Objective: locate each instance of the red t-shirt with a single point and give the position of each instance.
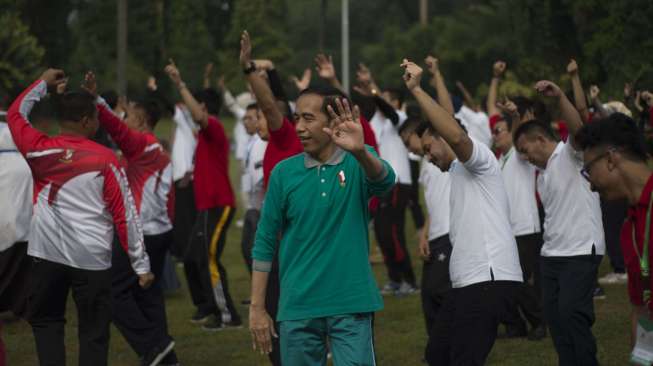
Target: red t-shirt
(211, 174)
(282, 144)
(637, 217)
(368, 134)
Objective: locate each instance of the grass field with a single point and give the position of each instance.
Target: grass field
(400, 334)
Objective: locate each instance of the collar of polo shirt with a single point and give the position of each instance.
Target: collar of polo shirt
(335, 159)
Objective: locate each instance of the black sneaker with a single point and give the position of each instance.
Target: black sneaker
(156, 354)
(215, 324)
(200, 317)
(599, 294)
(538, 333)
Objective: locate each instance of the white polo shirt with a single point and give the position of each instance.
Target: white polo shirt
(391, 148)
(483, 244)
(15, 192)
(572, 224)
(253, 172)
(183, 147)
(477, 124)
(519, 180)
(437, 190)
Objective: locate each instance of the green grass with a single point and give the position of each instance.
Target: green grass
(400, 334)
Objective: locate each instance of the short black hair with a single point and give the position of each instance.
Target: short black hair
(75, 105)
(423, 127)
(507, 119)
(535, 126)
(428, 126)
(396, 93)
(524, 104)
(616, 130)
(211, 99)
(365, 104)
(410, 125)
(330, 95)
(252, 106)
(152, 109)
(111, 97)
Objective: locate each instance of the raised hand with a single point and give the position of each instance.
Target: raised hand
(324, 66)
(304, 82)
(90, 83)
(173, 72)
(61, 87)
(498, 69)
(412, 74)
(647, 96)
(151, 83)
(364, 75)
(628, 90)
(265, 65)
(548, 88)
(245, 50)
(346, 130)
(219, 82)
(53, 78)
(208, 69)
(594, 92)
(433, 64)
(509, 108)
(572, 67)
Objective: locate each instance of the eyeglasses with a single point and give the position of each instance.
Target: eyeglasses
(498, 130)
(585, 172)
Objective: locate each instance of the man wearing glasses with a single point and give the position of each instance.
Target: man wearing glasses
(573, 232)
(616, 164)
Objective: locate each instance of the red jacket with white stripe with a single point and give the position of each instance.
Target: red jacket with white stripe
(149, 171)
(80, 194)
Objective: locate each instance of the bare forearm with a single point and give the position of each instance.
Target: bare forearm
(598, 107)
(570, 115)
(468, 98)
(334, 82)
(266, 101)
(492, 97)
(371, 164)
(579, 97)
(445, 125)
(444, 99)
(259, 288)
(193, 105)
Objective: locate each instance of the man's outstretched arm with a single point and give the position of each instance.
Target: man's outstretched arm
(264, 96)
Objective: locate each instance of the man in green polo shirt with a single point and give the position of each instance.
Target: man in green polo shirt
(318, 202)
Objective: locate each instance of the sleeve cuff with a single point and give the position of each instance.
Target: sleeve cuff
(261, 266)
(381, 176)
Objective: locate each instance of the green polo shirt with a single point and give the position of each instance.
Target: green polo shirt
(322, 211)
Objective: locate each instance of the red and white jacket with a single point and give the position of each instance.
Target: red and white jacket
(149, 171)
(80, 194)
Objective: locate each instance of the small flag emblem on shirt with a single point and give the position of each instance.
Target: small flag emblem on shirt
(341, 178)
(67, 157)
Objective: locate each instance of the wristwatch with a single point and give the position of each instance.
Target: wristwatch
(250, 69)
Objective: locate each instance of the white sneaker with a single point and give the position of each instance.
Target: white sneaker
(613, 278)
(390, 288)
(407, 289)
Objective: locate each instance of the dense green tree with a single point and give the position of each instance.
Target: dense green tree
(21, 55)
